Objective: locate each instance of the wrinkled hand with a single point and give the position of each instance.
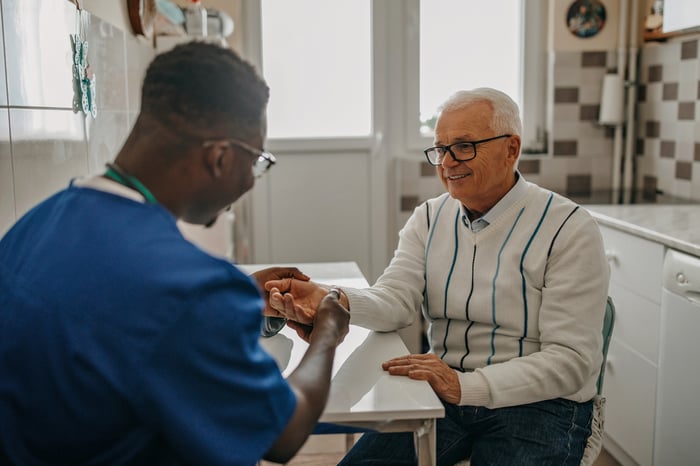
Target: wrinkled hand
(441, 377)
(275, 273)
(297, 300)
(330, 316)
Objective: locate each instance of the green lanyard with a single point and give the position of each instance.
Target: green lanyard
(117, 174)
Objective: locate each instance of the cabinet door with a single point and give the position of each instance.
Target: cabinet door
(637, 321)
(630, 389)
(635, 263)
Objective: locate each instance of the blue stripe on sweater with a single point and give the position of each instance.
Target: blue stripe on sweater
(447, 285)
(522, 273)
(493, 287)
(427, 250)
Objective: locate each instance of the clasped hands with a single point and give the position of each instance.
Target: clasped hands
(327, 313)
(298, 299)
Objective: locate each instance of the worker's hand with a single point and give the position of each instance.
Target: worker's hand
(296, 300)
(275, 273)
(330, 318)
(441, 377)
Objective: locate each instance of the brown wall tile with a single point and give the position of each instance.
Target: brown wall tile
(686, 110)
(529, 166)
(656, 73)
(684, 170)
(670, 91)
(426, 169)
(578, 185)
(589, 112)
(697, 152)
(649, 184)
(642, 93)
(653, 129)
(565, 95)
(667, 149)
(408, 203)
(565, 148)
(689, 50)
(594, 59)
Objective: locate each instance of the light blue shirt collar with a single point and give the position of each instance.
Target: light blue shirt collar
(515, 193)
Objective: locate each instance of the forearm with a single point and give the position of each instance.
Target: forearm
(310, 381)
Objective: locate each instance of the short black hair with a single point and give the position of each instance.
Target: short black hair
(197, 85)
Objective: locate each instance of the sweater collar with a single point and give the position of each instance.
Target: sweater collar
(516, 192)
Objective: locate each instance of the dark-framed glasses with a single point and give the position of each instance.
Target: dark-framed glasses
(264, 159)
(460, 151)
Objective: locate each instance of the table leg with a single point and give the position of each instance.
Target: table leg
(424, 439)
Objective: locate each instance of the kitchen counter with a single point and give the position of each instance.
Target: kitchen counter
(675, 226)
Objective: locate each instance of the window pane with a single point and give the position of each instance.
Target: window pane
(466, 44)
(317, 61)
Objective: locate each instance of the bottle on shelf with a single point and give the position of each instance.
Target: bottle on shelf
(196, 19)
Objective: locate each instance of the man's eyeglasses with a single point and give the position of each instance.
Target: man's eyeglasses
(460, 151)
(264, 159)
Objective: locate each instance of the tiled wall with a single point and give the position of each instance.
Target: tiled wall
(668, 144)
(43, 143)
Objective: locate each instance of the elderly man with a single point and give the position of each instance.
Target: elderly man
(123, 343)
(513, 281)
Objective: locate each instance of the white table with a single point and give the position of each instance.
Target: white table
(362, 394)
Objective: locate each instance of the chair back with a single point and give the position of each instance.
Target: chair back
(608, 324)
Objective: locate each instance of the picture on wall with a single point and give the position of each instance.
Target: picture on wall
(586, 18)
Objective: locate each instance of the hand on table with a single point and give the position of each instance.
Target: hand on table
(441, 377)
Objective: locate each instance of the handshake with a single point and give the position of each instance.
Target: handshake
(302, 305)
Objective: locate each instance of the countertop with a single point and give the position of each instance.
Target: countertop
(675, 226)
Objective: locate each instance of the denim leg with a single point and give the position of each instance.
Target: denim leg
(552, 432)
(390, 449)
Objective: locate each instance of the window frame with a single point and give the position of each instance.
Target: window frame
(395, 87)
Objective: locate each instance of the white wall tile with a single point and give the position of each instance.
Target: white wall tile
(49, 149)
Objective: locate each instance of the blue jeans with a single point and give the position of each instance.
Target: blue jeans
(552, 432)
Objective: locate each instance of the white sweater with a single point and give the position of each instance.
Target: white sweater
(516, 308)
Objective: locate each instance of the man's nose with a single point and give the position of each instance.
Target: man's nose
(449, 160)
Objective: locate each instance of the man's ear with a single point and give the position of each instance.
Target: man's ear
(514, 148)
(213, 158)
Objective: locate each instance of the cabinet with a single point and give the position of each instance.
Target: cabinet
(632, 363)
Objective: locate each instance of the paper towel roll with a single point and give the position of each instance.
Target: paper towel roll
(612, 100)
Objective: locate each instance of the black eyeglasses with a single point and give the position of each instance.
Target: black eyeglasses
(264, 159)
(460, 151)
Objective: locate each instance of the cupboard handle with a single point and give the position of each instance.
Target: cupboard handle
(611, 256)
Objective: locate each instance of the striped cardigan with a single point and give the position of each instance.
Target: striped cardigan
(515, 308)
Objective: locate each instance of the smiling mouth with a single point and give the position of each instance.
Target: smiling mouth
(458, 176)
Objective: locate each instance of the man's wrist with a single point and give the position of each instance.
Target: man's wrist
(341, 296)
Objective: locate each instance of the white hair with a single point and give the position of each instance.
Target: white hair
(506, 114)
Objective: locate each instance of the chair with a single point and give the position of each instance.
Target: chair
(595, 440)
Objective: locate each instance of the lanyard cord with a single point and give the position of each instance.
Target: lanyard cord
(117, 174)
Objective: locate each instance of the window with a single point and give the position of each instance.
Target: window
(468, 44)
(316, 57)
